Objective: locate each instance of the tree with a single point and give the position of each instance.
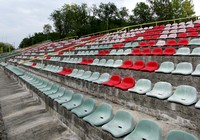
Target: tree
(142, 13)
(47, 28)
(188, 7)
(6, 47)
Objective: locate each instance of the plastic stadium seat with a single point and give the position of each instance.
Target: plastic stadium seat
(142, 86)
(151, 43)
(86, 108)
(127, 52)
(126, 64)
(109, 63)
(117, 46)
(66, 97)
(197, 25)
(126, 83)
(157, 51)
(180, 135)
(114, 80)
(184, 94)
(102, 62)
(196, 71)
(142, 44)
(182, 35)
(169, 51)
(172, 36)
(136, 51)
(93, 77)
(134, 44)
(166, 67)
(66, 71)
(79, 74)
(119, 126)
(195, 41)
(117, 63)
(101, 115)
(146, 51)
(184, 68)
(171, 43)
(102, 78)
(138, 65)
(77, 100)
(113, 52)
(191, 30)
(58, 94)
(183, 42)
(160, 43)
(196, 51)
(51, 90)
(193, 34)
(161, 90)
(197, 105)
(86, 75)
(155, 37)
(163, 36)
(147, 38)
(151, 66)
(74, 72)
(183, 51)
(95, 62)
(120, 52)
(84, 61)
(146, 130)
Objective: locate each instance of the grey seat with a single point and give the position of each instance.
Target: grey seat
(102, 62)
(127, 52)
(197, 105)
(142, 86)
(117, 63)
(145, 130)
(113, 52)
(120, 52)
(196, 71)
(134, 44)
(77, 100)
(180, 135)
(94, 76)
(184, 68)
(166, 67)
(59, 93)
(86, 75)
(79, 74)
(95, 62)
(102, 114)
(127, 45)
(184, 94)
(74, 72)
(103, 78)
(161, 90)
(86, 108)
(195, 41)
(196, 51)
(183, 51)
(109, 63)
(67, 96)
(119, 126)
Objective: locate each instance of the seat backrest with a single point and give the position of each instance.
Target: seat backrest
(152, 64)
(170, 50)
(143, 83)
(139, 63)
(180, 135)
(167, 65)
(186, 91)
(128, 81)
(118, 62)
(184, 66)
(104, 108)
(183, 50)
(116, 78)
(121, 114)
(128, 62)
(196, 51)
(162, 87)
(77, 97)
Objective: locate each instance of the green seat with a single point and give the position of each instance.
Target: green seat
(135, 44)
(127, 45)
(46, 88)
(120, 125)
(58, 93)
(95, 62)
(77, 100)
(161, 90)
(41, 85)
(119, 52)
(184, 68)
(93, 77)
(54, 88)
(102, 62)
(74, 72)
(146, 130)
(101, 115)
(197, 105)
(140, 38)
(180, 135)
(195, 41)
(109, 63)
(67, 96)
(117, 63)
(166, 67)
(86, 108)
(113, 52)
(142, 86)
(103, 78)
(184, 94)
(127, 52)
(86, 75)
(79, 74)
(196, 72)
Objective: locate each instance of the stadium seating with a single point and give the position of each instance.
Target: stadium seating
(142, 86)
(196, 72)
(102, 78)
(183, 68)
(195, 51)
(77, 100)
(197, 105)
(166, 67)
(151, 66)
(138, 65)
(126, 64)
(180, 135)
(126, 83)
(114, 80)
(67, 96)
(169, 51)
(183, 51)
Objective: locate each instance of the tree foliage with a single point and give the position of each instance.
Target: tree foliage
(6, 47)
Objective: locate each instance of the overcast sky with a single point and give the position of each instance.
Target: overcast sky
(20, 18)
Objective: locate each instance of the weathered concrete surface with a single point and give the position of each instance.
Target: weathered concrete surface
(24, 117)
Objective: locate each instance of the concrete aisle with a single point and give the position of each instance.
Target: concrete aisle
(25, 118)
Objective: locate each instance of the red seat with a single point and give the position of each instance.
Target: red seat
(34, 64)
(146, 51)
(183, 42)
(84, 61)
(89, 61)
(154, 37)
(101, 53)
(157, 51)
(107, 52)
(65, 71)
(191, 30)
(126, 64)
(60, 53)
(120, 45)
(136, 51)
(138, 65)
(197, 25)
(48, 57)
(142, 44)
(130, 39)
(114, 80)
(193, 34)
(169, 51)
(198, 29)
(147, 38)
(151, 43)
(171, 43)
(151, 66)
(182, 35)
(127, 82)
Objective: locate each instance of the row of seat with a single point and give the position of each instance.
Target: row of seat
(102, 115)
